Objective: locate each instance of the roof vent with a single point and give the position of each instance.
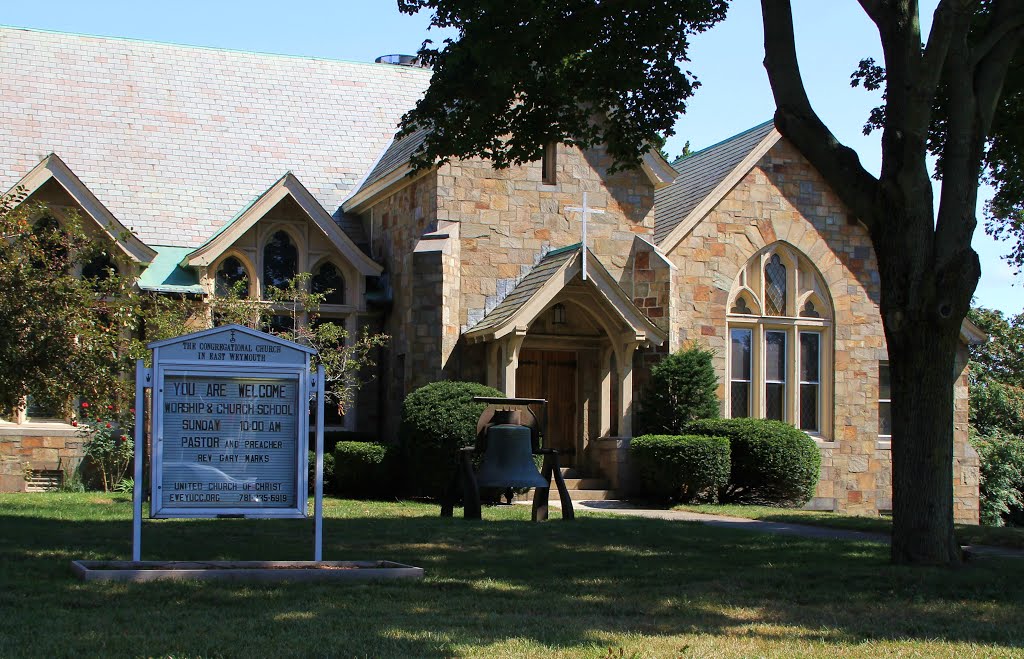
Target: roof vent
(401, 60)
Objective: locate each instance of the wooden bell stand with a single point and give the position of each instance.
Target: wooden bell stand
(550, 468)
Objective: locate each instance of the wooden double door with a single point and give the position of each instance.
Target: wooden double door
(552, 375)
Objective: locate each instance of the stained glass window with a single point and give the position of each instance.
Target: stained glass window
(775, 376)
(810, 380)
(775, 286)
(230, 274)
(329, 281)
(740, 373)
(280, 261)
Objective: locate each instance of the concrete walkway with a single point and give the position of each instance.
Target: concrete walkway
(801, 530)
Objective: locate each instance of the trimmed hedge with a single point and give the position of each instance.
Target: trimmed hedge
(772, 462)
(328, 473)
(437, 420)
(364, 469)
(683, 467)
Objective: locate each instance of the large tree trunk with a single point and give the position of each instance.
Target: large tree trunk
(921, 362)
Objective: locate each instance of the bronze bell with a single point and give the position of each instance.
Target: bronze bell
(508, 460)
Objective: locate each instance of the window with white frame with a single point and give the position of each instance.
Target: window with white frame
(780, 337)
(884, 403)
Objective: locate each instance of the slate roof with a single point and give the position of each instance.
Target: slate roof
(699, 174)
(525, 289)
(397, 154)
(176, 140)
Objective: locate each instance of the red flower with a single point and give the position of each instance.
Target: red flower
(74, 423)
(108, 425)
(132, 410)
(85, 405)
(110, 407)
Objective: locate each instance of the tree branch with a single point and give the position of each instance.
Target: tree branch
(796, 119)
(874, 10)
(990, 68)
(1002, 24)
(935, 52)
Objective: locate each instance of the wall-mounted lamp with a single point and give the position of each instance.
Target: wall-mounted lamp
(558, 314)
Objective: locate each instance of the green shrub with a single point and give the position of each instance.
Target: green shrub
(772, 462)
(328, 473)
(437, 420)
(683, 467)
(1002, 478)
(364, 469)
(681, 389)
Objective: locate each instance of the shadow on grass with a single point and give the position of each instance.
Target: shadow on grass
(565, 585)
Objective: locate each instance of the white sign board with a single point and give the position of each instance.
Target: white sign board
(230, 425)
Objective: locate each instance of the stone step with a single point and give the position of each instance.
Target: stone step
(576, 495)
(584, 483)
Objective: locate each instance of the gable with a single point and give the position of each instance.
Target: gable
(287, 190)
(52, 181)
(547, 280)
(704, 178)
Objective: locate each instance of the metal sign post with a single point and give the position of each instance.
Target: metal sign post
(230, 428)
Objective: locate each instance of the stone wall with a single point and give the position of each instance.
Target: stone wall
(37, 447)
(396, 224)
(966, 461)
(510, 218)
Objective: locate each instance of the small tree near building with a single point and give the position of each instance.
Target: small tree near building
(682, 388)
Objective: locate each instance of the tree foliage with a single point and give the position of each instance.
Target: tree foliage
(1001, 358)
(682, 388)
(997, 415)
(72, 322)
(584, 72)
(347, 360)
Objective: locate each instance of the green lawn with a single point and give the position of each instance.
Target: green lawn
(503, 587)
(966, 534)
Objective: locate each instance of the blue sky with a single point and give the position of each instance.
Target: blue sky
(831, 38)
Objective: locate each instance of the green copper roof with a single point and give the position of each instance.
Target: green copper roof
(164, 275)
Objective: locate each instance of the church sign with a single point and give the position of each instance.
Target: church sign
(230, 425)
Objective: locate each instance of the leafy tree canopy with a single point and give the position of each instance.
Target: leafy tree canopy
(72, 321)
(1001, 358)
(582, 72)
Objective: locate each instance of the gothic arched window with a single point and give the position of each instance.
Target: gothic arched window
(280, 261)
(329, 281)
(780, 330)
(99, 267)
(232, 276)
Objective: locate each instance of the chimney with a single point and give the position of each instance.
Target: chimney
(401, 60)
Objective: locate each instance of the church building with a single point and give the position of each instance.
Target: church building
(555, 279)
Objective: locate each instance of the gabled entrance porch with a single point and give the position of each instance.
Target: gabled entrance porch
(571, 341)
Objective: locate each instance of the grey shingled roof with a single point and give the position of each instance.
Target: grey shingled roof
(531, 283)
(176, 140)
(397, 154)
(699, 174)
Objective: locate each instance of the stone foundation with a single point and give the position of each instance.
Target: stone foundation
(37, 447)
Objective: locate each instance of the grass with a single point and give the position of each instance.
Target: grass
(966, 534)
(502, 587)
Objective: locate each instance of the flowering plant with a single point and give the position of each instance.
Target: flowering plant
(108, 442)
